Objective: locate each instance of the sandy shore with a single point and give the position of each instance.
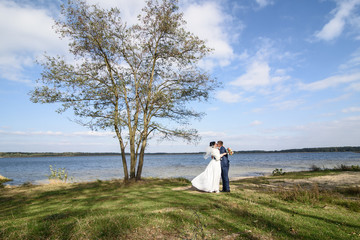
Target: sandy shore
(331, 181)
(2, 178)
(344, 179)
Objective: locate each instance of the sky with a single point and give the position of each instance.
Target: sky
(289, 73)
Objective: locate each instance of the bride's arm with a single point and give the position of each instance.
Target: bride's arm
(216, 154)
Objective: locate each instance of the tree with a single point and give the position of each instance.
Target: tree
(135, 80)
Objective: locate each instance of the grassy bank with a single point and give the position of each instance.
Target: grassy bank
(3, 180)
(169, 209)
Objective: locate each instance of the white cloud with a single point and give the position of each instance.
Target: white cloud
(129, 9)
(351, 110)
(230, 97)
(255, 123)
(354, 87)
(26, 33)
(212, 134)
(338, 98)
(207, 21)
(93, 134)
(257, 110)
(257, 74)
(288, 105)
(213, 109)
(342, 15)
(264, 3)
(332, 81)
(58, 133)
(260, 74)
(353, 62)
(342, 132)
(26, 29)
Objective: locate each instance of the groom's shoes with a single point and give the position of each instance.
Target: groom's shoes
(225, 191)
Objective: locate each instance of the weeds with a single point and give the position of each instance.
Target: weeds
(351, 191)
(313, 195)
(59, 174)
(300, 194)
(198, 229)
(341, 167)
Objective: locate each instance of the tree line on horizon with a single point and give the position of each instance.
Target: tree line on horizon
(74, 154)
(319, 149)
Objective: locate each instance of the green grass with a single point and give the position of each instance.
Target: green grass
(167, 209)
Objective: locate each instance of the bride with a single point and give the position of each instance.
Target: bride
(209, 180)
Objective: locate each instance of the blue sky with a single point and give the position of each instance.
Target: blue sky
(290, 73)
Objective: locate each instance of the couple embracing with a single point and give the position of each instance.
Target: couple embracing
(208, 180)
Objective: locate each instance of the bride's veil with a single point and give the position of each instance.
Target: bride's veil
(208, 152)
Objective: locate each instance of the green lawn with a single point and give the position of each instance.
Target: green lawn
(168, 209)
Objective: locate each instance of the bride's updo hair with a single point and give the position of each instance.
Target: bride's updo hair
(212, 144)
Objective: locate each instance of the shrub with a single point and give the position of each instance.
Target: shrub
(278, 172)
(315, 168)
(27, 184)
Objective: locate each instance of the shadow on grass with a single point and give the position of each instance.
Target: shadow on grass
(114, 210)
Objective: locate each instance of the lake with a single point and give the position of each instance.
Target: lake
(91, 168)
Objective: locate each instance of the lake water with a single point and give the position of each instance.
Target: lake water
(91, 168)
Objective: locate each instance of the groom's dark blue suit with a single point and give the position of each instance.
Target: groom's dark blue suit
(225, 170)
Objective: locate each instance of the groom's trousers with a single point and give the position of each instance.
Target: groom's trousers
(225, 170)
(225, 175)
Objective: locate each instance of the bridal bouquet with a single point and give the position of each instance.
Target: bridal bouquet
(229, 151)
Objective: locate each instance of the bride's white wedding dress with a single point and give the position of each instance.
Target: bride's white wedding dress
(209, 180)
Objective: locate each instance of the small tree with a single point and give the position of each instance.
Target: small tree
(135, 80)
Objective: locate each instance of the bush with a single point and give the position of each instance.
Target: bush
(27, 184)
(278, 172)
(315, 168)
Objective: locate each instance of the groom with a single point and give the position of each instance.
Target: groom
(224, 167)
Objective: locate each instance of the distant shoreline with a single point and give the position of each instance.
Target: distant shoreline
(75, 154)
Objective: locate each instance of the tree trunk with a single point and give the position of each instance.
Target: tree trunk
(132, 156)
(122, 150)
(141, 160)
(141, 156)
(123, 157)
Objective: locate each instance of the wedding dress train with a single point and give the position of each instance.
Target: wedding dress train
(209, 180)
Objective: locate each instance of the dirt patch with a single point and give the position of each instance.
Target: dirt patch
(345, 179)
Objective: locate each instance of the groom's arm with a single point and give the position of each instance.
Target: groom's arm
(222, 150)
